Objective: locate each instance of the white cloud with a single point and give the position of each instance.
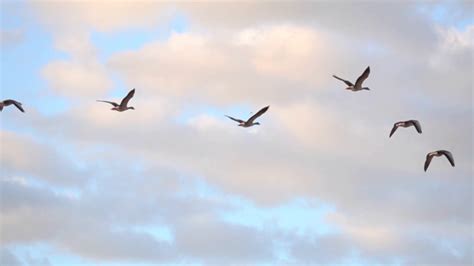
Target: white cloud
(230, 68)
(81, 76)
(24, 155)
(77, 79)
(109, 15)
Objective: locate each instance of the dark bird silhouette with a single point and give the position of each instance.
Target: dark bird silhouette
(358, 84)
(250, 121)
(10, 102)
(123, 105)
(408, 123)
(439, 153)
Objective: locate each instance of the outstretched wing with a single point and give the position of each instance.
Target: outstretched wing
(259, 113)
(348, 83)
(448, 155)
(428, 160)
(17, 104)
(362, 77)
(417, 125)
(395, 126)
(112, 103)
(127, 98)
(235, 119)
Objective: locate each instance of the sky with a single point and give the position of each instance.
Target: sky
(174, 181)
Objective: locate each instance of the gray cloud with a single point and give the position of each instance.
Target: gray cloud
(97, 224)
(26, 156)
(9, 38)
(8, 258)
(201, 236)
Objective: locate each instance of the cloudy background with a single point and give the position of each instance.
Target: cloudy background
(176, 182)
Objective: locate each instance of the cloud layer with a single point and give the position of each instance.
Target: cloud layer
(152, 185)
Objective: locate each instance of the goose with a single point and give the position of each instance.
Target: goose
(439, 153)
(123, 105)
(10, 102)
(358, 83)
(407, 123)
(250, 122)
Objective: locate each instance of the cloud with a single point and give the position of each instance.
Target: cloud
(274, 62)
(76, 79)
(29, 157)
(96, 225)
(324, 250)
(105, 16)
(294, 154)
(10, 38)
(204, 237)
(317, 142)
(81, 76)
(8, 258)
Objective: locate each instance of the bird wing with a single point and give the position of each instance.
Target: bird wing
(235, 119)
(259, 113)
(362, 77)
(127, 98)
(112, 103)
(417, 125)
(395, 126)
(428, 160)
(17, 104)
(448, 155)
(348, 83)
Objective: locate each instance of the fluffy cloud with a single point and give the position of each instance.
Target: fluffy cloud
(256, 64)
(67, 78)
(25, 156)
(104, 16)
(82, 75)
(106, 233)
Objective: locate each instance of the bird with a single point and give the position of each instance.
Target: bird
(250, 122)
(10, 102)
(407, 123)
(439, 153)
(358, 84)
(123, 104)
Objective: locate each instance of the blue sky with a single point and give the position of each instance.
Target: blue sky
(176, 182)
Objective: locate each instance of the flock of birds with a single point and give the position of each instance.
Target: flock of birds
(357, 86)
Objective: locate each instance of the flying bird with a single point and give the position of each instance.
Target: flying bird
(250, 122)
(408, 123)
(10, 102)
(439, 153)
(358, 84)
(123, 105)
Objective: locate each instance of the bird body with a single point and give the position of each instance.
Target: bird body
(250, 122)
(408, 123)
(123, 104)
(358, 84)
(10, 102)
(439, 153)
